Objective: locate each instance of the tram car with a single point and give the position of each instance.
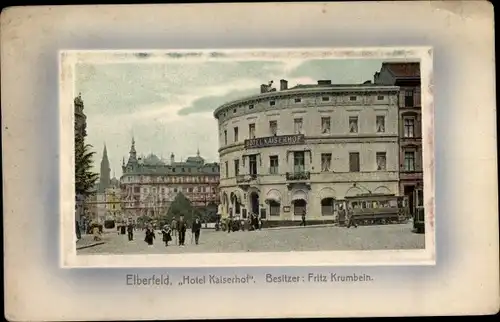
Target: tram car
(418, 211)
(378, 209)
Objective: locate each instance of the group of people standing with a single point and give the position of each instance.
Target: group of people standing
(177, 229)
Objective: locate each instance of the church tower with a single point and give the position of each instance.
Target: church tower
(105, 179)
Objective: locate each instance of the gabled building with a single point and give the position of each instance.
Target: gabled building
(149, 184)
(407, 77)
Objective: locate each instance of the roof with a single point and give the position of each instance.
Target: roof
(403, 69)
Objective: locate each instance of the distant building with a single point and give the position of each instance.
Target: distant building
(108, 196)
(407, 77)
(304, 149)
(150, 184)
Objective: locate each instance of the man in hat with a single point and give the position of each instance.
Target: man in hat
(181, 228)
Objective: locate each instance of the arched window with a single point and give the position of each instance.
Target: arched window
(327, 207)
(274, 208)
(299, 207)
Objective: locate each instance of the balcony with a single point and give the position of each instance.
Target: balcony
(298, 176)
(244, 180)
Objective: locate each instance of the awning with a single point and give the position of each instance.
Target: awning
(326, 193)
(273, 195)
(299, 195)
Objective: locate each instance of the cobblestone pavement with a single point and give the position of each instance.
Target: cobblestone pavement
(303, 239)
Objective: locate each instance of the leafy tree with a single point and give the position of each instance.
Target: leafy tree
(181, 206)
(85, 178)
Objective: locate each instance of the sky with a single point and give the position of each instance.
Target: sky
(168, 106)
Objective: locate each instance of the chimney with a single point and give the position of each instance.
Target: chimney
(283, 85)
(324, 82)
(263, 88)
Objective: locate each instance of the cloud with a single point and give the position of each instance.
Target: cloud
(210, 103)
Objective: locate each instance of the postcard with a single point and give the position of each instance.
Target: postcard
(248, 157)
(217, 161)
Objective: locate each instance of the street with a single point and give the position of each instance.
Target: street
(385, 237)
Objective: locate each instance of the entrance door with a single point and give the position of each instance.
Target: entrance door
(408, 191)
(254, 203)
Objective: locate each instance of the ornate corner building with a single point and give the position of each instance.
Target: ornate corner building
(149, 184)
(301, 150)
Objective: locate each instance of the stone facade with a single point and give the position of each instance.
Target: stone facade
(347, 144)
(150, 184)
(407, 77)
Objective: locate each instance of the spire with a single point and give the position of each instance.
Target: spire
(133, 153)
(104, 180)
(198, 152)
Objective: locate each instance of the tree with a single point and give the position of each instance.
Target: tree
(182, 206)
(85, 178)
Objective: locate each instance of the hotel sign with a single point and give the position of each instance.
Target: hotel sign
(275, 141)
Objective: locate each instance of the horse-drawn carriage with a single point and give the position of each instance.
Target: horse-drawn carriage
(378, 209)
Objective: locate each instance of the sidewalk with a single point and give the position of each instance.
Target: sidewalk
(297, 227)
(88, 241)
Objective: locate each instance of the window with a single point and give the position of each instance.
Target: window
(225, 137)
(380, 123)
(227, 169)
(234, 111)
(298, 161)
(298, 100)
(381, 161)
(251, 131)
(236, 167)
(190, 190)
(273, 164)
(299, 207)
(326, 161)
(380, 97)
(250, 106)
(327, 207)
(409, 98)
(352, 98)
(137, 189)
(272, 103)
(325, 98)
(409, 128)
(175, 189)
(236, 134)
(297, 126)
(273, 127)
(353, 124)
(252, 164)
(325, 125)
(274, 208)
(354, 162)
(409, 161)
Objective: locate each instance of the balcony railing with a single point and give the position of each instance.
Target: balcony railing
(297, 176)
(245, 178)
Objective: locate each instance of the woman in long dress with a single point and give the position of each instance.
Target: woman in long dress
(167, 234)
(150, 235)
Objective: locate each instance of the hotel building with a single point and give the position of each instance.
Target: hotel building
(304, 149)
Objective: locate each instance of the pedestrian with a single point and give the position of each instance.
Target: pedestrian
(351, 220)
(150, 235)
(78, 232)
(303, 223)
(196, 230)
(181, 229)
(167, 234)
(130, 231)
(229, 224)
(173, 226)
(96, 232)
